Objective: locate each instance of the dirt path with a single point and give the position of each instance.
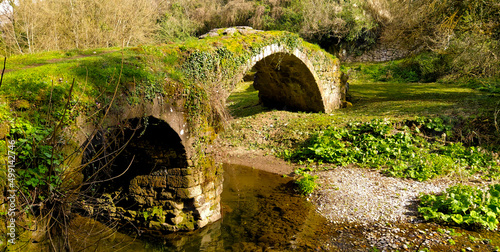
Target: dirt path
(255, 159)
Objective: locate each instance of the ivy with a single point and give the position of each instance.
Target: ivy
(39, 161)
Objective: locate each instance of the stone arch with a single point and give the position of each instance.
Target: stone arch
(162, 181)
(286, 80)
(134, 147)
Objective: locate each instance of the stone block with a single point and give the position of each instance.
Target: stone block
(199, 200)
(183, 181)
(215, 216)
(187, 193)
(202, 223)
(155, 225)
(150, 201)
(210, 194)
(141, 200)
(136, 189)
(173, 205)
(140, 181)
(205, 211)
(182, 171)
(157, 181)
(176, 220)
(218, 190)
(210, 186)
(166, 194)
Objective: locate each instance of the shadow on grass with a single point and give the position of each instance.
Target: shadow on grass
(418, 99)
(244, 101)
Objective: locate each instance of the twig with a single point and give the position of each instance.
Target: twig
(3, 71)
(497, 111)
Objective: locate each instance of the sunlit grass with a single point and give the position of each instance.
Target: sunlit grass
(244, 100)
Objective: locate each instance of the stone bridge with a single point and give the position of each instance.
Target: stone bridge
(150, 138)
(171, 182)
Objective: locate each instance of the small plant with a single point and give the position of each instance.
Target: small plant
(463, 205)
(307, 184)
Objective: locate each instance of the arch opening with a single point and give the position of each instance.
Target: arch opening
(285, 82)
(149, 180)
(281, 81)
(139, 146)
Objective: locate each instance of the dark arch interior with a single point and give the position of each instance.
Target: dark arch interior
(146, 146)
(285, 82)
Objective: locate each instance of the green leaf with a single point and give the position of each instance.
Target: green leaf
(457, 218)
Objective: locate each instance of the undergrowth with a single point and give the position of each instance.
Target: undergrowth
(463, 205)
(399, 149)
(426, 67)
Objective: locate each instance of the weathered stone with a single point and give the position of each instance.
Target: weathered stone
(202, 223)
(183, 171)
(199, 200)
(216, 214)
(140, 181)
(183, 181)
(218, 190)
(155, 225)
(210, 194)
(246, 32)
(141, 200)
(172, 205)
(176, 220)
(205, 211)
(158, 181)
(150, 201)
(186, 193)
(166, 194)
(210, 186)
(230, 31)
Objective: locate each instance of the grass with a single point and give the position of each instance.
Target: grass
(391, 100)
(244, 101)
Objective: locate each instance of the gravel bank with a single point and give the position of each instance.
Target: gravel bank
(363, 196)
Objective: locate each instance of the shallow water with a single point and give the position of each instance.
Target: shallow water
(260, 212)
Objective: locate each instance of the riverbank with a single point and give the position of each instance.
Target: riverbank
(369, 211)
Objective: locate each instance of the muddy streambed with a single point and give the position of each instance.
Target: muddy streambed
(262, 212)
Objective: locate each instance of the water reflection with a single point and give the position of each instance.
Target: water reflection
(260, 212)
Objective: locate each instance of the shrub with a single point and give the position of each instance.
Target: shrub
(307, 183)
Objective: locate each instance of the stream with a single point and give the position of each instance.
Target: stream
(260, 212)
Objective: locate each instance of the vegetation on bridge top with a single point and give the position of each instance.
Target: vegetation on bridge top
(194, 70)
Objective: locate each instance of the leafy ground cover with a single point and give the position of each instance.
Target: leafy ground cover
(470, 113)
(399, 151)
(462, 204)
